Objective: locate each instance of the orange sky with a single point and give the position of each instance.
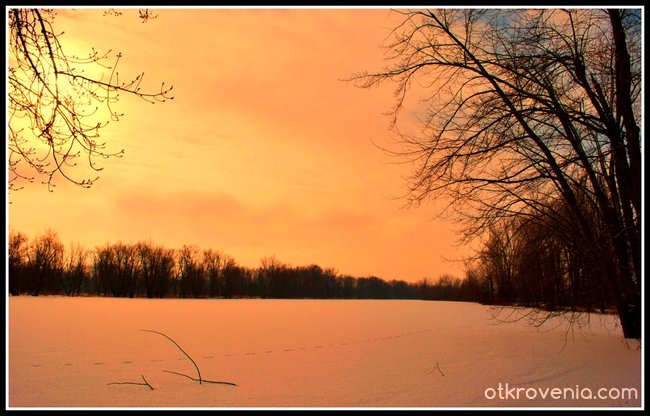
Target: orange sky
(264, 151)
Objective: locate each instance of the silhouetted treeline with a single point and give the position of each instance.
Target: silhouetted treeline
(524, 262)
(43, 266)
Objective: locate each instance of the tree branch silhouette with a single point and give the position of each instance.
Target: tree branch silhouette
(146, 383)
(534, 115)
(54, 102)
(198, 372)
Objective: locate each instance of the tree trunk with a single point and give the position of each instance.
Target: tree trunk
(629, 314)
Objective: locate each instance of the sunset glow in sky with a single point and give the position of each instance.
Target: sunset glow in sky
(263, 151)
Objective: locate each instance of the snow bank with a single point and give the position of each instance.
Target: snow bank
(64, 352)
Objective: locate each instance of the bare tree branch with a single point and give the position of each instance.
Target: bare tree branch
(529, 115)
(55, 99)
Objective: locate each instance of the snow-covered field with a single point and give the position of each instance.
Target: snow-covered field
(64, 352)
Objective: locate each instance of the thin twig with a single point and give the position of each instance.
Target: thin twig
(200, 380)
(145, 380)
(146, 383)
(194, 379)
(438, 368)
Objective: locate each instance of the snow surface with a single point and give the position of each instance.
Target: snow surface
(64, 352)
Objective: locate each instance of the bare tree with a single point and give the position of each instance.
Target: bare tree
(45, 263)
(271, 275)
(156, 266)
(116, 269)
(213, 263)
(75, 272)
(234, 278)
(54, 100)
(191, 272)
(525, 109)
(128, 269)
(17, 253)
(103, 269)
(498, 256)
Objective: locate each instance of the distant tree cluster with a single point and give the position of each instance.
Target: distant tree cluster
(43, 266)
(534, 261)
(448, 287)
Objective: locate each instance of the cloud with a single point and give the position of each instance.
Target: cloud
(354, 240)
(214, 219)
